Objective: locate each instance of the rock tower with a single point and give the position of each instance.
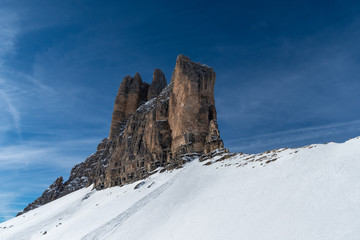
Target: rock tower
(153, 126)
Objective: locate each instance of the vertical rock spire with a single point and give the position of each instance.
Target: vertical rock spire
(157, 85)
(131, 94)
(192, 114)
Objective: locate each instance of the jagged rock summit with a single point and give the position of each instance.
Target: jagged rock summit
(152, 126)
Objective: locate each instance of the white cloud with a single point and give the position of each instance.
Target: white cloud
(295, 136)
(61, 154)
(9, 30)
(16, 88)
(7, 105)
(40, 161)
(7, 209)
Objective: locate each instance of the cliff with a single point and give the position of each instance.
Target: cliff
(153, 126)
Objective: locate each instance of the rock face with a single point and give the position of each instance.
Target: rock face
(152, 126)
(157, 85)
(132, 93)
(192, 113)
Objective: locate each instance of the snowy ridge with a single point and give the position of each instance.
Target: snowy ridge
(305, 193)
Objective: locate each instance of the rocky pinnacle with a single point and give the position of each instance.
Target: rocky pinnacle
(153, 126)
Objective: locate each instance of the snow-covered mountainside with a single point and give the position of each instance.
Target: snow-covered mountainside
(306, 193)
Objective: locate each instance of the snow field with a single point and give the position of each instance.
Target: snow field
(306, 193)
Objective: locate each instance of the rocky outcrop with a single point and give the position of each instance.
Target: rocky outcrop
(181, 120)
(153, 126)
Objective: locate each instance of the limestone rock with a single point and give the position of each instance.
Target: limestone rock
(192, 114)
(157, 85)
(181, 120)
(152, 126)
(144, 144)
(132, 93)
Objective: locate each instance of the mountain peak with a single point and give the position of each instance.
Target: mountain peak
(152, 126)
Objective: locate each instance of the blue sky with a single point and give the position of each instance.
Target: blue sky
(287, 75)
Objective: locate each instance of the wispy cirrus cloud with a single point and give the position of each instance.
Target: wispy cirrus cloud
(295, 137)
(43, 134)
(62, 154)
(16, 88)
(7, 105)
(27, 169)
(305, 92)
(9, 30)
(7, 208)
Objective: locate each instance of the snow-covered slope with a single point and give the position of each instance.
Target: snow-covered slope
(307, 193)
